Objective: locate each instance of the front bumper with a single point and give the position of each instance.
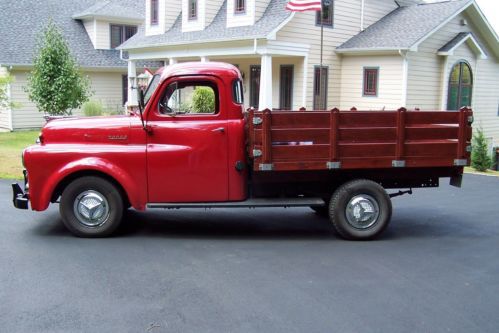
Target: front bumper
(20, 198)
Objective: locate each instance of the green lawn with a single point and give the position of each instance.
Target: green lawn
(11, 146)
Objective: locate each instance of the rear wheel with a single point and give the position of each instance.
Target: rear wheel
(91, 207)
(360, 210)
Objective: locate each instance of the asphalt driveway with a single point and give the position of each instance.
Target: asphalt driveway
(436, 269)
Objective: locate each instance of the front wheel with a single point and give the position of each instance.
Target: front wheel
(91, 207)
(360, 210)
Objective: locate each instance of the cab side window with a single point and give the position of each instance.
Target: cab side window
(190, 98)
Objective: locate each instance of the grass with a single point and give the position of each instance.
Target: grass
(486, 173)
(11, 146)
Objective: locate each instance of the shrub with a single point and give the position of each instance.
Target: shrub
(92, 109)
(56, 84)
(203, 100)
(480, 159)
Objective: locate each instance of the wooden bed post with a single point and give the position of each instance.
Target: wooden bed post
(333, 139)
(266, 141)
(461, 158)
(399, 150)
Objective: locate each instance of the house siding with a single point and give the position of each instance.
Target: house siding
(346, 24)
(429, 75)
(374, 10)
(425, 85)
(390, 82)
(106, 87)
(212, 8)
(103, 35)
(260, 7)
(90, 28)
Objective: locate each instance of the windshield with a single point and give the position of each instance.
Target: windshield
(151, 88)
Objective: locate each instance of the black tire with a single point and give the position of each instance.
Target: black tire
(108, 206)
(355, 201)
(322, 211)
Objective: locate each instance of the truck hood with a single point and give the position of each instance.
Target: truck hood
(113, 129)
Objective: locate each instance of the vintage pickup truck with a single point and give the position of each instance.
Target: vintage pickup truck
(193, 145)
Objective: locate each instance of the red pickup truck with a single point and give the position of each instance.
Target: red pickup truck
(192, 145)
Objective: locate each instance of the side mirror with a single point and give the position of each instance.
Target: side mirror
(140, 98)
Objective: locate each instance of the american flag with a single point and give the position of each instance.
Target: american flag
(303, 5)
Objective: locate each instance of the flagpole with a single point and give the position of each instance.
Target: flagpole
(321, 83)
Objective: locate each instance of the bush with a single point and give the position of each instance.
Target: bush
(203, 100)
(92, 109)
(480, 159)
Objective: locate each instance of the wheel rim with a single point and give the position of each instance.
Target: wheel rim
(362, 211)
(91, 209)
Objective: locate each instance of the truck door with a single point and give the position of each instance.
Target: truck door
(187, 145)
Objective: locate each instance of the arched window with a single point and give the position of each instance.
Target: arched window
(460, 86)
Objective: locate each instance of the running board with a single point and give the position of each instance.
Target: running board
(251, 203)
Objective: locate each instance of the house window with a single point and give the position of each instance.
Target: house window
(239, 6)
(154, 11)
(370, 82)
(320, 87)
(325, 17)
(121, 33)
(460, 86)
(286, 87)
(255, 71)
(193, 9)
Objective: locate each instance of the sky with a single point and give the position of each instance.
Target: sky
(490, 9)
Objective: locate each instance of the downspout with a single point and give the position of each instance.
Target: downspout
(405, 74)
(362, 15)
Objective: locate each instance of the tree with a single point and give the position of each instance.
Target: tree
(480, 159)
(56, 84)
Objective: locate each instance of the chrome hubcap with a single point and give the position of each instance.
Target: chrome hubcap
(362, 211)
(91, 209)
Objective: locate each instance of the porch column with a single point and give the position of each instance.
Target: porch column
(132, 84)
(204, 59)
(265, 97)
(172, 61)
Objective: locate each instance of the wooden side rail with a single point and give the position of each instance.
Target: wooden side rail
(316, 140)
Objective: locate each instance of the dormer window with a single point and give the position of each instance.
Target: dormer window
(154, 11)
(193, 9)
(121, 33)
(239, 6)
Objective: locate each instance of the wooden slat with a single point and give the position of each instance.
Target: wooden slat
(367, 134)
(436, 117)
(305, 119)
(347, 150)
(301, 152)
(431, 148)
(367, 119)
(431, 133)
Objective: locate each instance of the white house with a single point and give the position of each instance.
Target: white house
(377, 54)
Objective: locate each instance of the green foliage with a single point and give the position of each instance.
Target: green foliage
(92, 108)
(56, 84)
(4, 83)
(203, 100)
(480, 159)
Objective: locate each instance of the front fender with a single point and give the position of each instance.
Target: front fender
(134, 186)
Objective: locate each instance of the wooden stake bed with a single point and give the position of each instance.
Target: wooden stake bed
(318, 140)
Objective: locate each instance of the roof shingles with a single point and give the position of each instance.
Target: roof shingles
(274, 15)
(404, 27)
(22, 20)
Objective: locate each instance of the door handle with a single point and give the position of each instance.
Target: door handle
(220, 129)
